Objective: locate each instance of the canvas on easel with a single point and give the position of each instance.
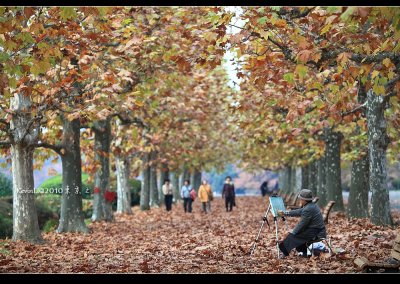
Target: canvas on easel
(277, 204)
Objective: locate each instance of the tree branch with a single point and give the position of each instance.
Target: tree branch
(136, 121)
(56, 148)
(5, 144)
(354, 110)
(392, 82)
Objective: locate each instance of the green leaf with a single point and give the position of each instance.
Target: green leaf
(301, 70)
(262, 20)
(68, 13)
(349, 11)
(4, 56)
(332, 9)
(319, 103)
(276, 8)
(289, 77)
(12, 82)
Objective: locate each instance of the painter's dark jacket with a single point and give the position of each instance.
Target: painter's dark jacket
(311, 217)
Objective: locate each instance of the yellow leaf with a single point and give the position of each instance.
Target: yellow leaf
(386, 62)
(139, 103)
(374, 74)
(325, 28)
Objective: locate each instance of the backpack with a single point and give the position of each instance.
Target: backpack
(193, 194)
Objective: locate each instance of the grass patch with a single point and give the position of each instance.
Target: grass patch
(3, 250)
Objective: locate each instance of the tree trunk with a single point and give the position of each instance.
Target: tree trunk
(175, 184)
(196, 179)
(286, 179)
(71, 217)
(358, 196)
(25, 220)
(154, 200)
(298, 176)
(304, 177)
(377, 145)
(123, 186)
(145, 189)
(185, 175)
(163, 174)
(321, 186)
(333, 170)
(293, 178)
(101, 208)
(313, 177)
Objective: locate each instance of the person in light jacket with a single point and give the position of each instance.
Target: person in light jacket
(204, 194)
(167, 189)
(185, 194)
(310, 226)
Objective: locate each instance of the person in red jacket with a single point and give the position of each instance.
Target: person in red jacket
(228, 192)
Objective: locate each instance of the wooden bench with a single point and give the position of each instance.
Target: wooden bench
(327, 210)
(294, 204)
(288, 197)
(390, 265)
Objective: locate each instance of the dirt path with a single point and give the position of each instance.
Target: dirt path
(159, 242)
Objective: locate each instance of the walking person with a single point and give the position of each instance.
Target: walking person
(264, 188)
(167, 189)
(185, 194)
(228, 192)
(205, 194)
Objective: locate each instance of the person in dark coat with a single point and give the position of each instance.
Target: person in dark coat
(264, 188)
(310, 226)
(229, 193)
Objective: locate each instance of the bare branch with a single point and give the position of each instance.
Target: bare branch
(354, 110)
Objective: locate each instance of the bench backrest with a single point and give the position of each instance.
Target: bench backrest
(327, 210)
(295, 200)
(288, 197)
(396, 248)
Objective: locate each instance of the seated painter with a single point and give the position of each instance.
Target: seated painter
(311, 225)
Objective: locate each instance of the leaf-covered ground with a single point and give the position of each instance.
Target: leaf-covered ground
(157, 241)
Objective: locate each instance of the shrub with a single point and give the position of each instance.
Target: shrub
(56, 183)
(6, 219)
(136, 185)
(6, 227)
(5, 185)
(87, 208)
(396, 184)
(48, 207)
(50, 225)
